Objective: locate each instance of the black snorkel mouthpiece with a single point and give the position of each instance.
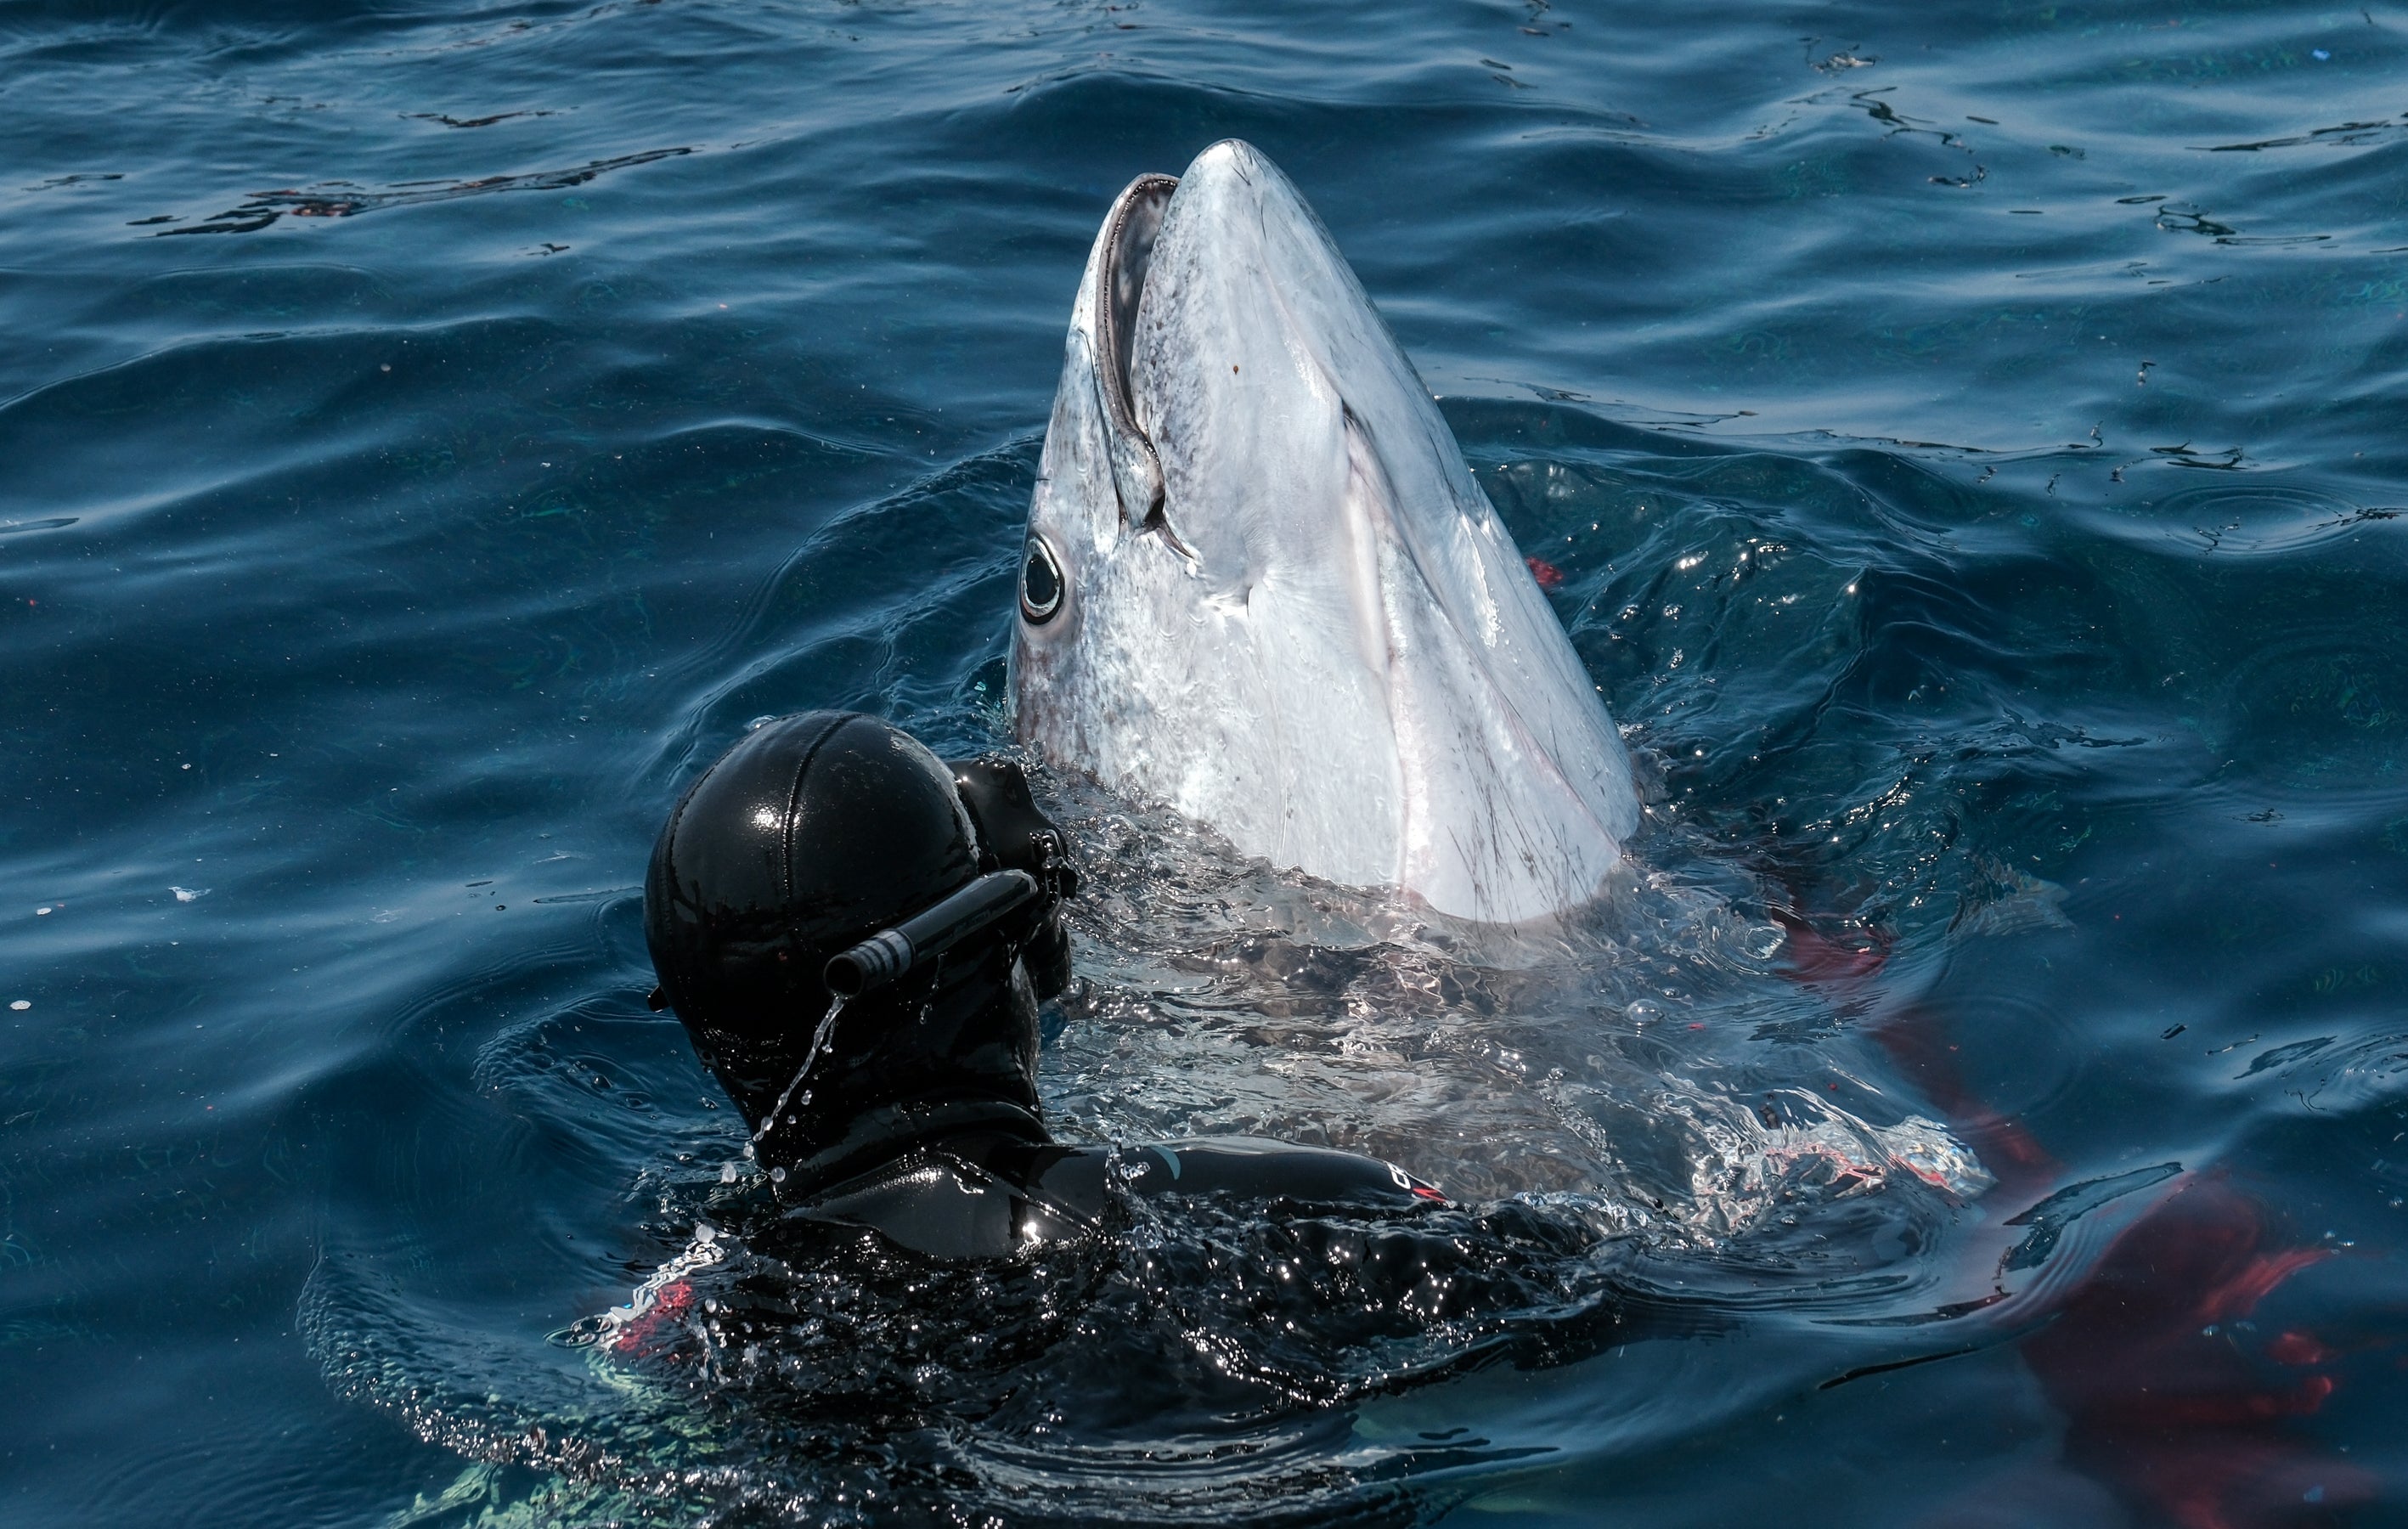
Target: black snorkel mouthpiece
(929, 933)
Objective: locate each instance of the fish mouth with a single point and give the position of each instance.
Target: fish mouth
(1130, 231)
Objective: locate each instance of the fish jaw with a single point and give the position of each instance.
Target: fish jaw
(1318, 640)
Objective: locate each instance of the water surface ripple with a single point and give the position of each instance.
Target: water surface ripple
(1963, 442)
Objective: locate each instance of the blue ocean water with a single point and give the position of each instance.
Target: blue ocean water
(1964, 442)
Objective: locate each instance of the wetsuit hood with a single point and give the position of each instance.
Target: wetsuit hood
(812, 832)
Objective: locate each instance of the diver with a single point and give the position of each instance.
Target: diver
(857, 936)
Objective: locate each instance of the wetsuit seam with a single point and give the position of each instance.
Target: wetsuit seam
(794, 802)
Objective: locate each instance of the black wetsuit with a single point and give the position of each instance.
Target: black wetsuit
(986, 1195)
(828, 852)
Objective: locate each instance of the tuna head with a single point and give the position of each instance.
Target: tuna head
(1260, 585)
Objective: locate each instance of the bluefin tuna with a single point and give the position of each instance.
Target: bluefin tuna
(1260, 585)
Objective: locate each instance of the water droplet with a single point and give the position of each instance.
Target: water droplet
(22, 1003)
(777, 1176)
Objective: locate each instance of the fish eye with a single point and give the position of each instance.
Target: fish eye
(1041, 583)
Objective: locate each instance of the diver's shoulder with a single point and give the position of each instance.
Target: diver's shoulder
(983, 1197)
(929, 1202)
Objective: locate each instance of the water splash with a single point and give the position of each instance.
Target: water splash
(820, 1037)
